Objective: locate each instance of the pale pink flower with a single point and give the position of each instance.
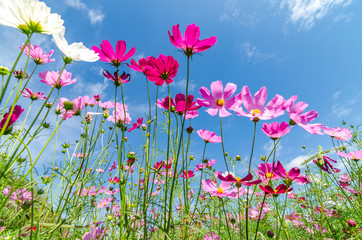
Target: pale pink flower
(356, 155)
(209, 164)
(209, 136)
(51, 78)
(106, 105)
(37, 54)
(32, 95)
(342, 134)
(104, 202)
(255, 105)
(91, 101)
(94, 233)
(220, 191)
(220, 99)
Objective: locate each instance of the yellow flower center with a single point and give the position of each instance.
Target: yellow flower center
(31, 27)
(255, 111)
(220, 102)
(238, 179)
(220, 190)
(269, 175)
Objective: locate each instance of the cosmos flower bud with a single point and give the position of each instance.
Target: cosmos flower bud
(351, 223)
(237, 157)
(189, 130)
(4, 71)
(68, 105)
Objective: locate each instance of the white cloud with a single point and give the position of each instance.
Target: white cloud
(268, 147)
(343, 17)
(297, 162)
(307, 12)
(234, 12)
(94, 15)
(180, 85)
(336, 95)
(254, 54)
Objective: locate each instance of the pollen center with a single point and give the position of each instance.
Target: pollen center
(220, 190)
(220, 102)
(238, 179)
(269, 175)
(255, 111)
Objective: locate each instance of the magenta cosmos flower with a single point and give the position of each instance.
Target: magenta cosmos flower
(37, 54)
(297, 118)
(32, 95)
(141, 66)
(282, 188)
(219, 100)
(255, 106)
(356, 155)
(51, 78)
(191, 43)
(163, 69)
(136, 125)
(188, 174)
(326, 164)
(14, 116)
(290, 176)
(203, 165)
(342, 134)
(209, 136)
(220, 191)
(116, 78)
(238, 180)
(266, 172)
(179, 105)
(274, 130)
(107, 54)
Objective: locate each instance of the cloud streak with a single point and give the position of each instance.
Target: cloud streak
(94, 15)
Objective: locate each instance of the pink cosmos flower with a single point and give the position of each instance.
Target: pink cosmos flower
(220, 191)
(114, 165)
(342, 134)
(113, 180)
(355, 156)
(97, 97)
(191, 43)
(220, 99)
(14, 116)
(296, 116)
(163, 69)
(209, 136)
(326, 165)
(104, 202)
(119, 116)
(254, 106)
(37, 54)
(141, 66)
(188, 174)
(290, 176)
(211, 236)
(116, 78)
(344, 180)
(89, 101)
(51, 78)
(136, 125)
(107, 54)
(19, 197)
(274, 130)
(106, 105)
(282, 188)
(78, 106)
(179, 106)
(246, 180)
(94, 233)
(80, 155)
(209, 164)
(267, 172)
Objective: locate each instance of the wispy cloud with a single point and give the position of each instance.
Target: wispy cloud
(336, 95)
(234, 12)
(268, 147)
(307, 12)
(297, 162)
(253, 54)
(340, 110)
(94, 15)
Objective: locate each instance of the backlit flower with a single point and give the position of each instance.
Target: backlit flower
(255, 106)
(274, 130)
(163, 69)
(282, 188)
(342, 134)
(107, 54)
(220, 191)
(29, 16)
(14, 116)
(116, 78)
(220, 99)
(75, 51)
(209, 136)
(191, 43)
(356, 155)
(37, 54)
(246, 180)
(32, 95)
(188, 174)
(141, 66)
(290, 176)
(136, 125)
(179, 105)
(266, 172)
(51, 78)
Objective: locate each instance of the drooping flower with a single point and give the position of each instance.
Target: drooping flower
(30, 16)
(220, 99)
(51, 78)
(163, 69)
(14, 116)
(116, 78)
(113, 180)
(37, 54)
(355, 156)
(266, 172)
(188, 174)
(255, 105)
(290, 176)
(280, 189)
(325, 164)
(238, 180)
(107, 54)
(179, 105)
(342, 134)
(297, 118)
(191, 43)
(136, 125)
(141, 66)
(75, 51)
(274, 130)
(220, 191)
(203, 165)
(209, 136)
(32, 95)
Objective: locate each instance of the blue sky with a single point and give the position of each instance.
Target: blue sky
(307, 48)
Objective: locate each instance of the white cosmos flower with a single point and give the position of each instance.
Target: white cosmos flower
(75, 51)
(30, 16)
